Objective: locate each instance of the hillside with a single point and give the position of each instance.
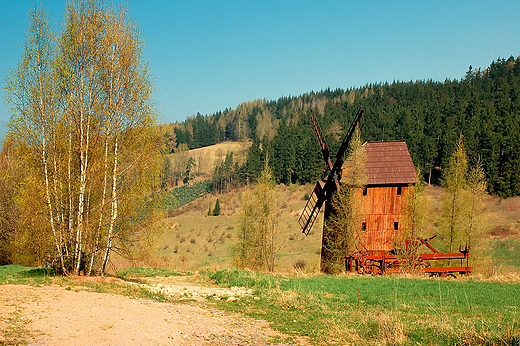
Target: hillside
(484, 106)
(192, 240)
(204, 161)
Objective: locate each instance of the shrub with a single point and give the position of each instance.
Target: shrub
(300, 265)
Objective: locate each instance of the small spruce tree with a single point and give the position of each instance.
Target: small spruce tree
(216, 211)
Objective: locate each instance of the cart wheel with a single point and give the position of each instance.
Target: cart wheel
(450, 276)
(376, 270)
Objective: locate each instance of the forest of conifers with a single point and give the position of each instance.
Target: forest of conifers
(484, 106)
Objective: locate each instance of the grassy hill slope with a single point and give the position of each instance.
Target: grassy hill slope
(207, 158)
(192, 240)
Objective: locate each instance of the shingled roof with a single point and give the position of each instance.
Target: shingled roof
(389, 163)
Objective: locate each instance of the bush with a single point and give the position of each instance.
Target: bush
(300, 265)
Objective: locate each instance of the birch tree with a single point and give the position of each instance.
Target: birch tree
(31, 93)
(81, 101)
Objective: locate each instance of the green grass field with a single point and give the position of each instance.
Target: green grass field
(365, 310)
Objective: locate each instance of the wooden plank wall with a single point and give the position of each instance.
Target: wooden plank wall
(383, 207)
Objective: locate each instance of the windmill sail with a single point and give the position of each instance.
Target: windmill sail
(323, 145)
(312, 209)
(320, 194)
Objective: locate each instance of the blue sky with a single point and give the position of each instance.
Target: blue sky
(210, 55)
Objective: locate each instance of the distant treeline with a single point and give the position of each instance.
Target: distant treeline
(484, 106)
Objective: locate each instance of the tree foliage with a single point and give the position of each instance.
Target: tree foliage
(216, 210)
(463, 200)
(182, 195)
(343, 227)
(259, 237)
(454, 216)
(224, 176)
(82, 129)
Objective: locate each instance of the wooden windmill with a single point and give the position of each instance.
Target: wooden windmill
(323, 191)
(391, 174)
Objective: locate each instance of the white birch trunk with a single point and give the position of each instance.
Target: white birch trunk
(69, 191)
(114, 210)
(103, 199)
(45, 165)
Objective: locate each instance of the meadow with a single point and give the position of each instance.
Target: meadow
(390, 310)
(192, 240)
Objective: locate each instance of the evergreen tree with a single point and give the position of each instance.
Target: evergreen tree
(428, 115)
(216, 211)
(189, 166)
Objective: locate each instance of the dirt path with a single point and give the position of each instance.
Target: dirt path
(53, 315)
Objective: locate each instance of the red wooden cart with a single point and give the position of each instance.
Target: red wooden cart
(408, 259)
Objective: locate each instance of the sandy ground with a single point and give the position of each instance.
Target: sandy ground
(52, 315)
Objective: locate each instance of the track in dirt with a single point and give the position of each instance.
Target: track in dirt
(53, 315)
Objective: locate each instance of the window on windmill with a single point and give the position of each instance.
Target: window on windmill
(399, 190)
(364, 226)
(365, 191)
(396, 226)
